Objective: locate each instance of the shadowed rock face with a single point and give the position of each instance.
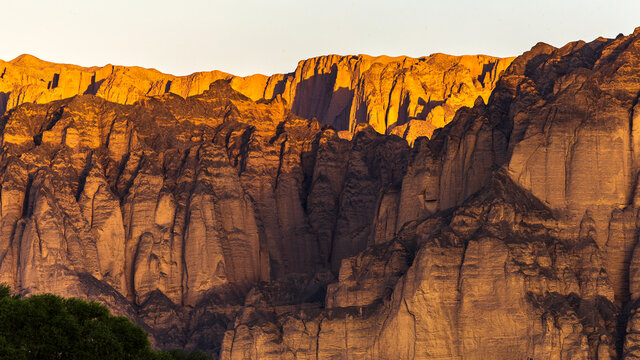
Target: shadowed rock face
(490, 280)
(242, 228)
(404, 96)
(171, 209)
(516, 231)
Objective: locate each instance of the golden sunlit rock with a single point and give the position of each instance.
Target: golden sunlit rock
(404, 96)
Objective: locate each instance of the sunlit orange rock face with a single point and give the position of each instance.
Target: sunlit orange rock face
(27, 79)
(281, 217)
(400, 95)
(404, 96)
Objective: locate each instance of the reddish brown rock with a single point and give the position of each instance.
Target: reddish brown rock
(510, 233)
(172, 203)
(539, 263)
(505, 293)
(405, 96)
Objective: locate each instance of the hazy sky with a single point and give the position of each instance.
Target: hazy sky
(269, 36)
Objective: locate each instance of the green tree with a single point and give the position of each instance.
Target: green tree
(50, 327)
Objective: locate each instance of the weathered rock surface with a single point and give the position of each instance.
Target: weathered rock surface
(526, 210)
(405, 96)
(177, 207)
(240, 227)
(389, 93)
(27, 79)
(491, 280)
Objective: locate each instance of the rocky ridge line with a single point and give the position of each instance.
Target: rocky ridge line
(405, 96)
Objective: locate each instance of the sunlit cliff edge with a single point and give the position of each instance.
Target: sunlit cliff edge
(405, 96)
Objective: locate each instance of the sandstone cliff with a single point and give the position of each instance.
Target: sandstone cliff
(405, 96)
(516, 231)
(489, 281)
(170, 209)
(27, 79)
(243, 221)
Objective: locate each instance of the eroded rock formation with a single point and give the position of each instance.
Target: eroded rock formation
(270, 218)
(516, 231)
(27, 79)
(405, 96)
(490, 280)
(172, 202)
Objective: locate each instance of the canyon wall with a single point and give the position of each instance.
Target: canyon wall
(271, 218)
(159, 207)
(405, 96)
(516, 231)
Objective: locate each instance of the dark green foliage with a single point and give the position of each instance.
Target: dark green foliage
(47, 327)
(5, 291)
(50, 327)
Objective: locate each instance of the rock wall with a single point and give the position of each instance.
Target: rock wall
(249, 229)
(488, 281)
(177, 207)
(27, 79)
(522, 216)
(405, 96)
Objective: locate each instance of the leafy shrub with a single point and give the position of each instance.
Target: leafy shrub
(47, 327)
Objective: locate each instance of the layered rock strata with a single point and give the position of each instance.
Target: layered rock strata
(405, 96)
(170, 210)
(242, 228)
(526, 231)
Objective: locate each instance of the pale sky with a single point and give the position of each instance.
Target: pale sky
(243, 37)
